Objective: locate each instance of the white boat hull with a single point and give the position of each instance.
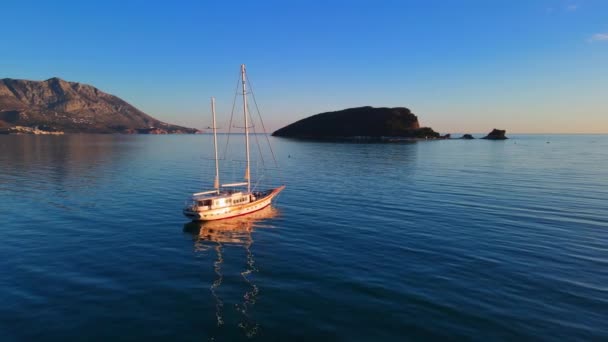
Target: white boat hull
(202, 214)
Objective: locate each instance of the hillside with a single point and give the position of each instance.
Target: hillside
(73, 107)
(358, 122)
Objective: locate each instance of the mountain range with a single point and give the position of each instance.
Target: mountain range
(73, 107)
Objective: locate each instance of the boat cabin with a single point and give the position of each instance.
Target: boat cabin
(226, 199)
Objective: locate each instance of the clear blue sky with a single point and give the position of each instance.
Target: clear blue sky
(461, 66)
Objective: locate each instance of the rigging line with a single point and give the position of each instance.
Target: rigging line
(258, 173)
(261, 121)
(257, 164)
(259, 181)
(257, 142)
(276, 164)
(236, 91)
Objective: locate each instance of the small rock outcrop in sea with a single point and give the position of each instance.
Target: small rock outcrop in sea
(496, 134)
(467, 137)
(362, 123)
(74, 108)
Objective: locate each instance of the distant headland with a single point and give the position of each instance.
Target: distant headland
(55, 105)
(368, 124)
(359, 123)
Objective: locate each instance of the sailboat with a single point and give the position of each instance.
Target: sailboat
(231, 199)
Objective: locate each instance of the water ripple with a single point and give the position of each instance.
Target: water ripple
(447, 239)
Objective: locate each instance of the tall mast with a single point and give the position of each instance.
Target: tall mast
(216, 181)
(247, 175)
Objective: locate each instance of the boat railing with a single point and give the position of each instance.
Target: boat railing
(234, 184)
(206, 193)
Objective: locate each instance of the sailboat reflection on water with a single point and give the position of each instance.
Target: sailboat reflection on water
(217, 235)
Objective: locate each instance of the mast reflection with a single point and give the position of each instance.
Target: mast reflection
(236, 231)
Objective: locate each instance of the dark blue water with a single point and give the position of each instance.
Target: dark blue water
(462, 239)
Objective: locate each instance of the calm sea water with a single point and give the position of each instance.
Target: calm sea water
(462, 239)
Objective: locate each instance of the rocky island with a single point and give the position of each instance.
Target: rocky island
(55, 105)
(368, 123)
(496, 134)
